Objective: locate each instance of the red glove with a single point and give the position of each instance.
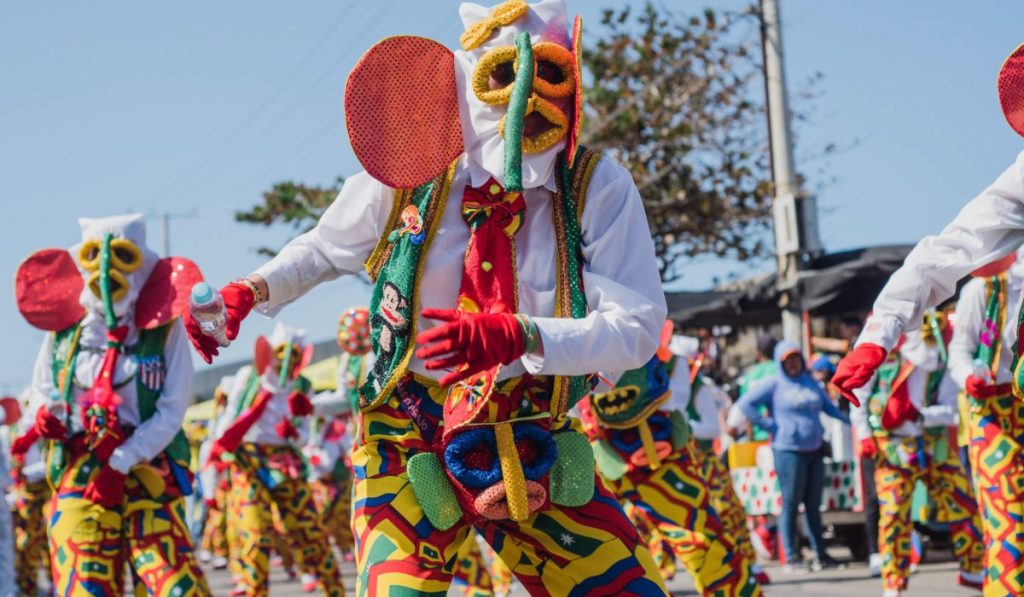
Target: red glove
(238, 303)
(299, 404)
(107, 489)
(286, 430)
(211, 503)
(12, 410)
(979, 389)
(112, 438)
(868, 447)
(21, 445)
(897, 411)
(469, 343)
(857, 368)
(49, 426)
(214, 459)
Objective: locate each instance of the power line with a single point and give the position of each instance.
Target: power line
(262, 107)
(290, 108)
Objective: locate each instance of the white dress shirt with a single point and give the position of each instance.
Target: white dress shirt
(926, 359)
(151, 436)
(262, 431)
(620, 275)
(709, 402)
(970, 318)
(989, 227)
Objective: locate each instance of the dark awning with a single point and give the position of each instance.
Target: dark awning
(833, 284)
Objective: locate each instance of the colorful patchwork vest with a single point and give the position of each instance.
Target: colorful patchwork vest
(638, 435)
(149, 383)
(396, 266)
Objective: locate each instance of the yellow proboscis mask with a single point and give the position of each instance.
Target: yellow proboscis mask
(554, 79)
(125, 258)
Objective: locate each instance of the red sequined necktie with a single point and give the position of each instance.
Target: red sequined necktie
(489, 269)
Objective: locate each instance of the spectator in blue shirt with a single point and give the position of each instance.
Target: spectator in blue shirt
(795, 401)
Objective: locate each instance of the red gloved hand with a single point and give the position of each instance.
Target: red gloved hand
(12, 410)
(286, 430)
(49, 425)
(868, 447)
(107, 489)
(857, 368)
(22, 444)
(979, 389)
(299, 404)
(897, 411)
(238, 303)
(469, 342)
(214, 459)
(112, 438)
(211, 503)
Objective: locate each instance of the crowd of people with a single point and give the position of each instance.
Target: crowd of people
(513, 406)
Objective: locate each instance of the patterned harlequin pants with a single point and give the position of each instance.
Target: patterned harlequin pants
(950, 493)
(215, 531)
(661, 551)
(674, 500)
(90, 544)
(997, 431)
(558, 551)
(31, 549)
(252, 504)
(480, 575)
(334, 501)
(724, 499)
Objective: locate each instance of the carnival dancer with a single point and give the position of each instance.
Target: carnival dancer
(988, 228)
(214, 546)
(903, 421)
(31, 499)
(705, 405)
(642, 443)
(109, 389)
(508, 264)
(267, 419)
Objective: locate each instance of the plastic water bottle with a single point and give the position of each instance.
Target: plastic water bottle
(207, 308)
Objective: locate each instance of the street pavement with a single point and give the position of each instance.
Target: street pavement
(934, 579)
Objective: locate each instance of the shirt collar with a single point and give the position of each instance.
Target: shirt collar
(478, 176)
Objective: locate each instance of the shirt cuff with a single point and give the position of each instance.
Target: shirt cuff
(121, 461)
(554, 332)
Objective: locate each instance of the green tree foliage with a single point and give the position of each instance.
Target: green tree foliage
(293, 204)
(677, 100)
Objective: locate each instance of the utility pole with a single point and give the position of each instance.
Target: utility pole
(165, 226)
(795, 215)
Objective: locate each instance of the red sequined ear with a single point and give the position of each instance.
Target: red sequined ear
(307, 358)
(1011, 89)
(166, 293)
(47, 288)
(402, 111)
(577, 109)
(263, 354)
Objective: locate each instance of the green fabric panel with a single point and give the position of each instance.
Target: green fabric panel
(680, 429)
(392, 319)
(433, 491)
(609, 463)
(572, 476)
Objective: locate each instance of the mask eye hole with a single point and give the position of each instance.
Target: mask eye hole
(125, 255)
(550, 72)
(89, 256)
(502, 76)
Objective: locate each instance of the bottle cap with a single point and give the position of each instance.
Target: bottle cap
(202, 293)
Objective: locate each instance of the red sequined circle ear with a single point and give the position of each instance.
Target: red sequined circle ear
(263, 353)
(1011, 89)
(47, 287)
(166, 293)
(402, 111)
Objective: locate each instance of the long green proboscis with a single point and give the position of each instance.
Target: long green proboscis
(521, 89)
(285, 366)
(108, 301)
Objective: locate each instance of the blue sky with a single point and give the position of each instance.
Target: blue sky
(107, 107)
